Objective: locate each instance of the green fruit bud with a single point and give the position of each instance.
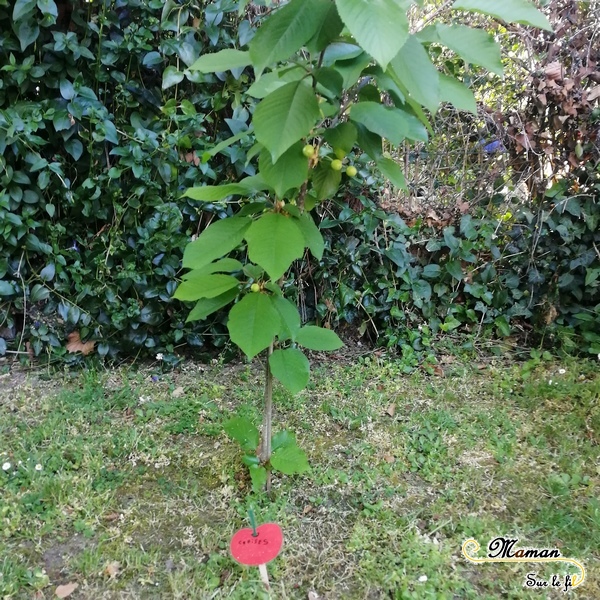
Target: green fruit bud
(339, 153)
(308, 151)
(351, 171)
(336, 165)
(255, 288)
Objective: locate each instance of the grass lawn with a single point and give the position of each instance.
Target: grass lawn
(124, 483)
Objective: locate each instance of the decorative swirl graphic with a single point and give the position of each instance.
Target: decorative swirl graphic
(472, 545)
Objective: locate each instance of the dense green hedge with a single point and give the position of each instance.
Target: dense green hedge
(102, 126)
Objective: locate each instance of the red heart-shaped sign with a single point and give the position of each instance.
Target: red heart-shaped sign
(258, 549)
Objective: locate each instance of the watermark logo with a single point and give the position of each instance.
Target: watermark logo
(503, 549)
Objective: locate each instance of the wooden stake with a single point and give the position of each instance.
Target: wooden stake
(262, 569)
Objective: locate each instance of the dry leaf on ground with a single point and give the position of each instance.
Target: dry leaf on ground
(76, 345)
(64, 591)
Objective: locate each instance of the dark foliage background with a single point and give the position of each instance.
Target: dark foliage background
(102, 126)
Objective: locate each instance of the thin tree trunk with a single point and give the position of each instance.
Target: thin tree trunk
(265, 448)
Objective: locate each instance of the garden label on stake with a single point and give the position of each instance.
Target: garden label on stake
(257, 546)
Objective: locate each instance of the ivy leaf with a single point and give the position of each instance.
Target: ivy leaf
(511, 11)
(453, 267)
(380, 27)
(286, 116)
(243, 431)
(291, 367)
(205, 286)
(290, 460)
(390, 123)
(286, 31)
(290, 171)
(22, 8)
(171, 77)
(274, 242)
(318, 338)
(215, 241)
(27, 32)
(207, 306)
(413, 67)
(253, 323)
(225, 60)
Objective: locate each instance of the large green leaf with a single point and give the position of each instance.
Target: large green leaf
(290, 171)
(391, 123)
(325, 181)
(413, 67)
(253, 323)
(511, 11)
(291, 367)
(286, 116)
(458, 94)
(379, 26)
(274, 242)
(472, 45)
(211, 193)
(205, 286)
(391, 169)
(272, 80)
(243, 431)
(318, 338)
(225, 265)
(207, 306)
(329, 28)
(289, 315)
(217, 239)
(312, 235)
(289, 460)
(342, 137)
(285, 31)
(258, 476)
(224, 60)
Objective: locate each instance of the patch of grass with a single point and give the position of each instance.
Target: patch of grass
(126, 484)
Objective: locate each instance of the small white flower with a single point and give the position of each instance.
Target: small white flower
(549, 381)
(562, 371)
(38, 467)
(159, 356)
(6, 466)
(423, 578)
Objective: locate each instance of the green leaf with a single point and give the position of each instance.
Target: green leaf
(289, 460)
(503, 325)
(326, 181)
(207, 306)
(421, 289)
(205, 286)
(38, 293)
(330, 82)
(269, 82)
(274, 242)
(472, 45)
(22, 8)
(342, 137)
(258, 476)
(379, 26)
(48, 7)
(318, 338)
(243, 431)
(286, 116)
(511, 11)
(171, 77)
(329, 28)
(312, 235)
(211, 193)
(290, 171)
(458, 94)
(253, 323)
(225, 60)
(291, 367)
(225, 265)
(285, 31)
(216, 240)
(414, 69)
(391, 123)
(290, 318)
(283, 439)
(27, 32)
(453, 267)
(391, 169)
